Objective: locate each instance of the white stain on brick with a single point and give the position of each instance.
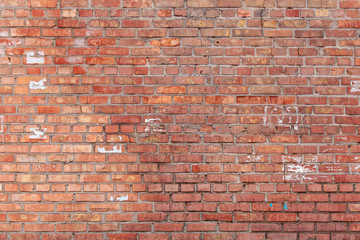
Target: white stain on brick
(254, 158)
(30, 158)
(4, 33)
(333, 149)
(264, 120)
(72, 60)
(33, 58)
(291, 178)
(1, 124)
(120, 199)
(38, 85)
(265, 117)
(116, 149)
(298, 169)
(305, 178)
(286, 159)
(159, 130)
(291, 109)
(152, 120)
(79, 42)
(13, 42)
(147, 129)
(38, 134)
(355, 86)
(313, 158)
(357, 167)
(343, 138)
(280, 119)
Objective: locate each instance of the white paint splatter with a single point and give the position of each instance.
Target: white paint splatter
(151, 120)
(298, 169)
(264, 120)
(29, 158)
(355, 86)
(1, 124)
(265, 117)
(313, 158)
(342, 138)
(280, 119)
(79, 42)
(120, 199)
(286, 159)
(13, 42)
(147, 129)
(38, 85)
(296, 127)
(72, 60)
(357, 167)
(291, 178)
(120, 138)
(4, 33)
(159, 130)
(307, 178)
(333, 149)
(114, 150)
(333, 168)
(251, 158)
(38, 134)
(32, 58)
(290, 108)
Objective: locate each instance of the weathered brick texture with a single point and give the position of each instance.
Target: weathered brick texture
(179, 119)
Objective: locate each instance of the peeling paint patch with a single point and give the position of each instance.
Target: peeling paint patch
(114, 150)
(152, 120)
(38, 134)
(355, 86)
(120, 199)
(33, 58)
(38, 85)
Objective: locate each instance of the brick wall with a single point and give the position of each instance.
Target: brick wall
(197, 119)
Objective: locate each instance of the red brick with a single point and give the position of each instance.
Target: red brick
(246, 132)
(42, 3)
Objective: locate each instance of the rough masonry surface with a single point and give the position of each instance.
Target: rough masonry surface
(182, 120)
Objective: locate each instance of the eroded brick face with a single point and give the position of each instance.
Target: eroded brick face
(197, 119)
